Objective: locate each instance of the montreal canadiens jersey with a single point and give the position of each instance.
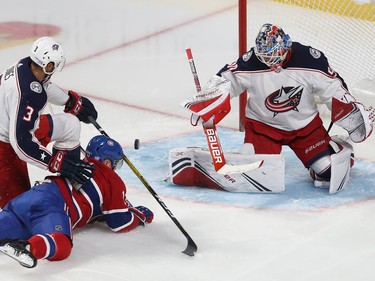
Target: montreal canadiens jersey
(103, 195)
(22, 99)
(285, 100)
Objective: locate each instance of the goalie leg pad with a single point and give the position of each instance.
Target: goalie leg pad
(320, 171)
(341, 163)
(193, 167)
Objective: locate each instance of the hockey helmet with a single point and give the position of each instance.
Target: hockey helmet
(46, 50)
(101, 148)
(272, 45)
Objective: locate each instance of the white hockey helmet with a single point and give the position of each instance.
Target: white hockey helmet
(46, 50)
(272, 45)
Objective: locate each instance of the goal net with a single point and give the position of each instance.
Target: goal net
(343, 29)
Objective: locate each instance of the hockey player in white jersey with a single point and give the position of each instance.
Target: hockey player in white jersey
(25, 89)
(283, 80)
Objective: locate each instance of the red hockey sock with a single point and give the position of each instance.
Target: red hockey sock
(54, 247)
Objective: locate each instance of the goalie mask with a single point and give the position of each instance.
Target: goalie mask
(46, 50)
(102, 148)
(272, 45)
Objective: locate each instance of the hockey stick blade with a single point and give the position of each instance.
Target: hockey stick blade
(191, 248)
(239, 169)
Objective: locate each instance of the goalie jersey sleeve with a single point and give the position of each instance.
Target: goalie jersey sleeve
(286, 99)
(103, 195)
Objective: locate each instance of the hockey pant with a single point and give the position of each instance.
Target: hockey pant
(39, 216)
(308, 143)
(14, 176)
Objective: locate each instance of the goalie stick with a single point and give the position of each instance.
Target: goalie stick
(191, 246)
(212, 137)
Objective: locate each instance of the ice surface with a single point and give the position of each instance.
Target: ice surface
(129, 58)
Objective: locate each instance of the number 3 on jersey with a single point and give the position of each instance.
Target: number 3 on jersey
(29, 113)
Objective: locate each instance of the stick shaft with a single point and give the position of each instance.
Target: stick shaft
(193, 69)
(191, 247)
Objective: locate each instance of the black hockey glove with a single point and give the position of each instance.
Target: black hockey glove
(81, 107)
(77, 171)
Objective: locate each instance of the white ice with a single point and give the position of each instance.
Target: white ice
(128, 56)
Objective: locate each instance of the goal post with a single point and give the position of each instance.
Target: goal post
(242, 44)
(343, 29)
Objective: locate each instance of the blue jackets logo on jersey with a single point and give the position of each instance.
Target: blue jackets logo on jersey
(36, 87)
(284, 100)
(315, 53)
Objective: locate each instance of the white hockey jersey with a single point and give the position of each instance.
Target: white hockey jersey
(285, 100)
(22, 99)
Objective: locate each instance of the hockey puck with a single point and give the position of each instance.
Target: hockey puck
(136, 144)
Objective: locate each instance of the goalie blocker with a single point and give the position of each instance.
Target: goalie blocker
(353, 117)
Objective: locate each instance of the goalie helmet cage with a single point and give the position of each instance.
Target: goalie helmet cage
(343, 29)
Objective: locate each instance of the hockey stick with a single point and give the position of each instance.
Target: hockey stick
(212, 137)
(191, 246)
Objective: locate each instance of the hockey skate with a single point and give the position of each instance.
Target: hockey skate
(16, 249)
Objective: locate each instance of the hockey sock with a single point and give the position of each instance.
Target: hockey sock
(54, 247)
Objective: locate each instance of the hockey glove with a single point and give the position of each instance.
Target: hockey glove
(81, 107)
(212, 101)
(78, 171)
(352, 116)
(144, 214)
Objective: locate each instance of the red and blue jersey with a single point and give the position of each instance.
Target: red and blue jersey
(103, 195)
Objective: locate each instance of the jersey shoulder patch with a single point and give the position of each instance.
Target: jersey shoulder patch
(308, 57)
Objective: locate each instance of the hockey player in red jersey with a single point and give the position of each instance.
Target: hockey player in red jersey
(38, 224)
(25, 89)
(282, 79)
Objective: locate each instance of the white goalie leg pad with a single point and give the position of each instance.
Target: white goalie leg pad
(340, 165)
(319, 167)
(193, 167)
(247, 148)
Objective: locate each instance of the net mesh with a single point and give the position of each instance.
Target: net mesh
(343, 29)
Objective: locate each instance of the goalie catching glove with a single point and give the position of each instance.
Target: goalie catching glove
(81, 107)
(353, 117)
(212, 101)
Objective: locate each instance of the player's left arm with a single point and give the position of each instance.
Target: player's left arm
(74, 103)
(346, 111)
(119, 215)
